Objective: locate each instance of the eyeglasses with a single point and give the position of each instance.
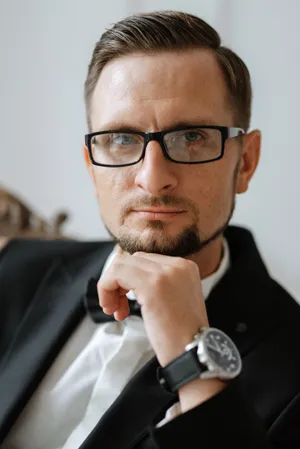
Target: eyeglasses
(192, 145)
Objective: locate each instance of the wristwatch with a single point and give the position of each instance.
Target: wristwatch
(212, 354)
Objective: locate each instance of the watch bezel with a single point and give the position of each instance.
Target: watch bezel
(213, 369)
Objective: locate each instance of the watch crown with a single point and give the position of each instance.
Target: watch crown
(203, 358)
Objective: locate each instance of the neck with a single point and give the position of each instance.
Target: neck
(209, 258)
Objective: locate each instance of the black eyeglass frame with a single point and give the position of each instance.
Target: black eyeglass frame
(226, 133)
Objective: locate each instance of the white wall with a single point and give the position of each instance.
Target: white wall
(45, 47)
(266, 34)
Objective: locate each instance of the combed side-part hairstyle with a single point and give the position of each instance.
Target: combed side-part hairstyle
(163, 31)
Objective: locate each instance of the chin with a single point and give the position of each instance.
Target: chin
(159, 241)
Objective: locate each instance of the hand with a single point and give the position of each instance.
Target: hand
(169, 292)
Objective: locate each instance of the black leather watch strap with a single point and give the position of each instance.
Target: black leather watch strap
(180, 371)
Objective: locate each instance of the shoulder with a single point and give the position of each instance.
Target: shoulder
(25, 262)
(284, 301)
(24, 265)
(34, 250)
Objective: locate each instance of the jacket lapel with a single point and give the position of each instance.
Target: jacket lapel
(242, 303)
(238, 305)
(54, 312)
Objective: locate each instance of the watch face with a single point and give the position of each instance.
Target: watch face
(222, 353)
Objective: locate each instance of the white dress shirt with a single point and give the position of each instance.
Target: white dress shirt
(87, 376)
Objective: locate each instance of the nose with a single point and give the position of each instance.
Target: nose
(156, 174)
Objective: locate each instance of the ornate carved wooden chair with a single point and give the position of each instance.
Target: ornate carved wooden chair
(18, 220)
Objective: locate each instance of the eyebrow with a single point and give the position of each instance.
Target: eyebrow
(186, 124)
(174, 126)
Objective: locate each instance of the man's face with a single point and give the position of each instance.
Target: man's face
(153, 93)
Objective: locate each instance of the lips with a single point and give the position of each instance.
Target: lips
(158, 214)
(160, 211)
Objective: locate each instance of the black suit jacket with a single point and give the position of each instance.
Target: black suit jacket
(41, 289)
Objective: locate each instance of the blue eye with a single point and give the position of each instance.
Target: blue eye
(124, 139)
(192, 136)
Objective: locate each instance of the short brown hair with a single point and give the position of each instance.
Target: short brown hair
(171, 31)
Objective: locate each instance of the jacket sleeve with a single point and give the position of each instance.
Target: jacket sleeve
(226, 421)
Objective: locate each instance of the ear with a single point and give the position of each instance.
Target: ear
(250, 157)
(89, 164)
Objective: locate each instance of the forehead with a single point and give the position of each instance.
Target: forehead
(155, 91)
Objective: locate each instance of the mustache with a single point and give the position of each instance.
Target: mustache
(164, 200)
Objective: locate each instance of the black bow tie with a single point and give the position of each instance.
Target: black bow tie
(95, 311)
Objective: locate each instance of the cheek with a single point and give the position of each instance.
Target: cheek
(213, 188)
(111, 187)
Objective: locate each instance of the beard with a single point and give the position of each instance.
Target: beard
(185, 244)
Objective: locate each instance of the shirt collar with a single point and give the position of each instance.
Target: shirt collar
(211, 281)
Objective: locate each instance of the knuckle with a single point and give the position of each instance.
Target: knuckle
(182, 264)
(193, 266)
(159, 279)
(187, 267)
(116, 263)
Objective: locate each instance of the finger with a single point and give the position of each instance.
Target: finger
(125, 273)
(122, 276)
(113, 305)
(124, 310)
(158, 258)
(108, 300)
(109, 310)
(139, 261)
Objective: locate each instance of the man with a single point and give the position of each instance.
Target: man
(168, 149)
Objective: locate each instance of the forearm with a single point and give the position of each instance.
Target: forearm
(198, 391)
